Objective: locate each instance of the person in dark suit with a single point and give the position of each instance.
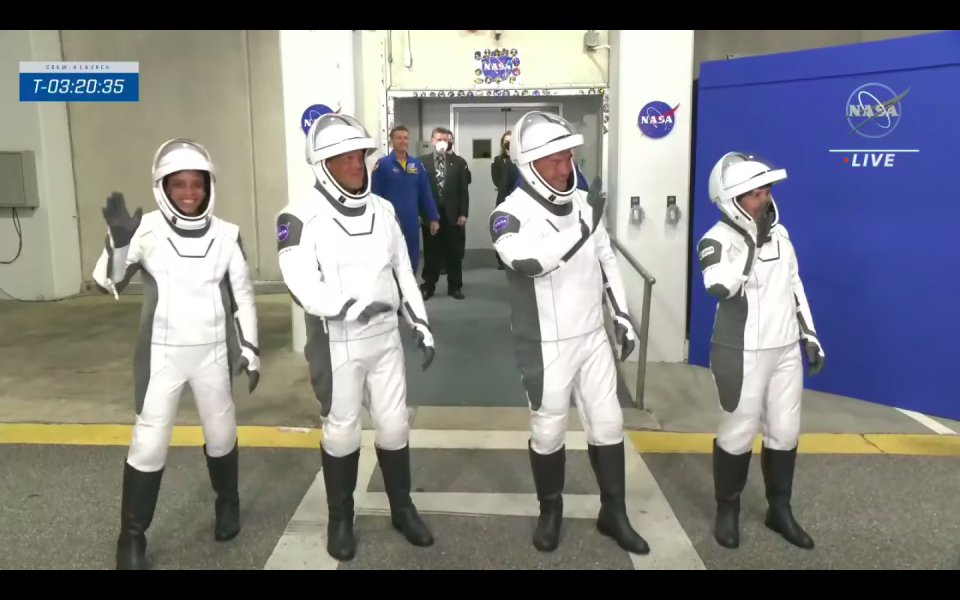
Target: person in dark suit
(449, 181)
(504, 173)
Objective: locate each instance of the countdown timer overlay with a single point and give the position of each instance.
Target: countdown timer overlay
(79, 81)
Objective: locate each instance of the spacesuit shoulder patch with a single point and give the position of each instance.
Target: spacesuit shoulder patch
(502, 223)
(709, 252)
(289, 231)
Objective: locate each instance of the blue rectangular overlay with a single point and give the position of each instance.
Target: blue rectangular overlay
(870, 204)
(79, 81)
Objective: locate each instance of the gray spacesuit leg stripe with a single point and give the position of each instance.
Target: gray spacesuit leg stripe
(141, 354)
(726, 364)
(530, 365)
(231, 332)
(526, 332)
(317, 353)
(731, 322)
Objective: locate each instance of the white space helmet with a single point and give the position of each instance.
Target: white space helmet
(540, 134)
(736, 174)
(184, 155)
(331, 135)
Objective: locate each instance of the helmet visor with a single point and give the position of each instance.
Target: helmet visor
(742, 172)
(529, 132)
(332, 129)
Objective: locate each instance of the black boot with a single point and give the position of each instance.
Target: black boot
(395, 466)
(140, 491)
(224, 476)
(778, 468)
(608, 465)
(340, 480)
(549, 471)
(729, 478)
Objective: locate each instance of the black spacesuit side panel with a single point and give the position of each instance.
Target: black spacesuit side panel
(526, 335)
(141, 355)
(730, 323)
(231, 329)
(317, 353)
(726, 364)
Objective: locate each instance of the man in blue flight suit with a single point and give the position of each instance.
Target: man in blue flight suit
(402, 180)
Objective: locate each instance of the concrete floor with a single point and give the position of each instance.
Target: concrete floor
(876, 487)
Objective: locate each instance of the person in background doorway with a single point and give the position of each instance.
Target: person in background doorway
(505, 176)
(763, 318)
(197, 288)
(344, 260)
(560, 264)
(402, 180)
(449, 184)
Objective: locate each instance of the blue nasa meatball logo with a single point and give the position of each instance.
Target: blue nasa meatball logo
(656, 119)
(313, 113)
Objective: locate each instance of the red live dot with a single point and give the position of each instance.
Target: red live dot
(845, 159)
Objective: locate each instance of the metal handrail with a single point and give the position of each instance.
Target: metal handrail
(643, 329)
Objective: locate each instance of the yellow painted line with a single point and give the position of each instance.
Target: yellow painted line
(119, 435)
(660, 442)
(653, 442)
(917, 445)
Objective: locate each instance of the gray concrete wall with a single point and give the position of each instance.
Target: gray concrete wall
(220, 88)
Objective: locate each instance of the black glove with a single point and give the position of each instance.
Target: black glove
(627, 344)
(815, 359)
(428, 351)
(763, 228)
(373, 309)
(122, 225)
(254, 376)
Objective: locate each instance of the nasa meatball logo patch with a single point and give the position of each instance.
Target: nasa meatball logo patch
(499, 223)
(282, 232)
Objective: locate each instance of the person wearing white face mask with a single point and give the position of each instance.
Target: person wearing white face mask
(449, 184)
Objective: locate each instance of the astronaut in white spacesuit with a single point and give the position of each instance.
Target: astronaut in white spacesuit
(196, 288)
(345, 262)
(560, 268)
(763, 318)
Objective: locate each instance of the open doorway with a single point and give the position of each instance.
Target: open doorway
(587, 109)
(477, 130)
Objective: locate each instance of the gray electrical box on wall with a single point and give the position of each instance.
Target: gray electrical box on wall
(18, 180)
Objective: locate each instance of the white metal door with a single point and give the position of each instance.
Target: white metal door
(477, 131)
(477, 134)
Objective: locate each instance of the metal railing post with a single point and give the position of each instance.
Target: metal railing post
(643, 329)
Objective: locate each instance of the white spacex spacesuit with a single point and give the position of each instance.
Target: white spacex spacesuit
(196, 288)
(750, 266)
(559, 265)
(344, 260)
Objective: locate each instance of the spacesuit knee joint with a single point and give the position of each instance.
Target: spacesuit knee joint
(607, 430)
(782, 433)
(148, 449)
(220, 438)
(736, 439)
(547, 433)
(341, 440)
(393, 433)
